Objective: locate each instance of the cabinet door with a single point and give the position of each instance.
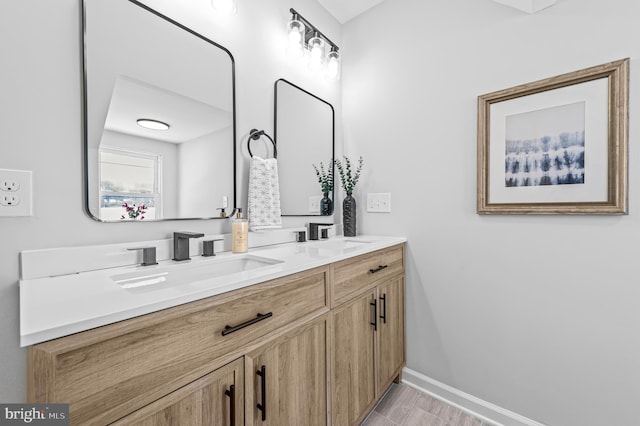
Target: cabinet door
(287, 381)
(216, 399)
(353, 373)
(390, 331)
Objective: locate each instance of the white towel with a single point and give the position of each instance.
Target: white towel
(264, 194)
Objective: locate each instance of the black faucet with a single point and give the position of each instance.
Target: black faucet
(148, 255)
(313, 229)
(181, 244)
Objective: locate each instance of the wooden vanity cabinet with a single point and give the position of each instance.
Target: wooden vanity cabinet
(316, 347)
(367, 334)
(215, 399)
(352, 276)
(390, 333)
(353, 375)
(287, 379)
(110, 372)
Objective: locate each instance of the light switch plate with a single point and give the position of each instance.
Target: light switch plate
(379, 202)
(314, 203)
(15, 193)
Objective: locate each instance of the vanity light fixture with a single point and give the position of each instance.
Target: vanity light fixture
(149, 123)
(333, 64)
(316, 52)
(296, 31)
(225, 7)
(304, 37)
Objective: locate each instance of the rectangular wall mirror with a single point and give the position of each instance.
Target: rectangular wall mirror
(305, 135)
(180, 163)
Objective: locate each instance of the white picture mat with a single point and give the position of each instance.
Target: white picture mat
(567, 118)
(595, 189)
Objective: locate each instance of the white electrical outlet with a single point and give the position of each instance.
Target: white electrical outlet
(9, 200)
(379, 202)
(15, 193)
(9, 185)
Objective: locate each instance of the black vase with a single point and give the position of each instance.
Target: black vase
(349, 216)
(326, 205)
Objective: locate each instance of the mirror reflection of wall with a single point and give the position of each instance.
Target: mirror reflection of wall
(140, 65)
(304, 133)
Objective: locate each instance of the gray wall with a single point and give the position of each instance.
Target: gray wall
(538, 315)
(40, 109)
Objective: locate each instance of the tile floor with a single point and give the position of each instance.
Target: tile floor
(404, 405)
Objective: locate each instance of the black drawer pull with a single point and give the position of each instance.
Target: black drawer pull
(229, 329)
(375, 314)
(262, 406)
(383, 315)
(378, 269)
(231, 393)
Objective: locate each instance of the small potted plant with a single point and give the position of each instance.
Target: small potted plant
(325, 179)
(349, 179)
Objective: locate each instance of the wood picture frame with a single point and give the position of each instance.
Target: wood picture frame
(556, 146)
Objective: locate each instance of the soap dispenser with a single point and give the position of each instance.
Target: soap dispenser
(239, 234)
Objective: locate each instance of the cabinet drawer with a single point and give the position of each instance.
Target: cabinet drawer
(354, 275)
(104, 380)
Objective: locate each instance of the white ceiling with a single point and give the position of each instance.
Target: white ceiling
(189, 119)
(529, 6)
(344, 10)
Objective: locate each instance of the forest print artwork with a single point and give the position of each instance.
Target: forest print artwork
(546, 147)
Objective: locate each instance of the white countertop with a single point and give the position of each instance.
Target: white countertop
(52, 307)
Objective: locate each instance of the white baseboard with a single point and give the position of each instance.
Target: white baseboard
(477, 407)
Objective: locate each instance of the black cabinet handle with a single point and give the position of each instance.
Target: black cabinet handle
(231, 393)
(229, 329)
(383, 315)
(378, 269)
(374, 303)
(262, 406)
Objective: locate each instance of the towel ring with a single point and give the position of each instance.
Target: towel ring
(255, 135)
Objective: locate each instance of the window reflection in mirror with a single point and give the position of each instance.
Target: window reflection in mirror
(132, 178)
(304, 133)
(140, 64)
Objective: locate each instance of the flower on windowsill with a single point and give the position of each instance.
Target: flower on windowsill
(349, 179)
(325, 177)
(134, 212)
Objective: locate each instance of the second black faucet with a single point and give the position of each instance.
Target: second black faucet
(181, 244)
(313, 229)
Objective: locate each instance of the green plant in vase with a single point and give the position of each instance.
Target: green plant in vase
(349, 178)
(325, 179)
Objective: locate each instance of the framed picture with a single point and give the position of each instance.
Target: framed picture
(556, 146)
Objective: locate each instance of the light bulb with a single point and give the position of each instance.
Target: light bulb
(333, 65)
(294, 37)
(316, 51)
(227, 7)
(295, 30)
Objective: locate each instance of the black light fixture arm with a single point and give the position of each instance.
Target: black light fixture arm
(312, 29)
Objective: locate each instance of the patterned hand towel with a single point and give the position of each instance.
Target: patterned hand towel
(264, 194)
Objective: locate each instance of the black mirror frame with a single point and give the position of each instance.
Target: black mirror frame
(85, 135)
(333, 139)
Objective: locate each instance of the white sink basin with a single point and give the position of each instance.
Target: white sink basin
(339, 245)
(188, 272)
